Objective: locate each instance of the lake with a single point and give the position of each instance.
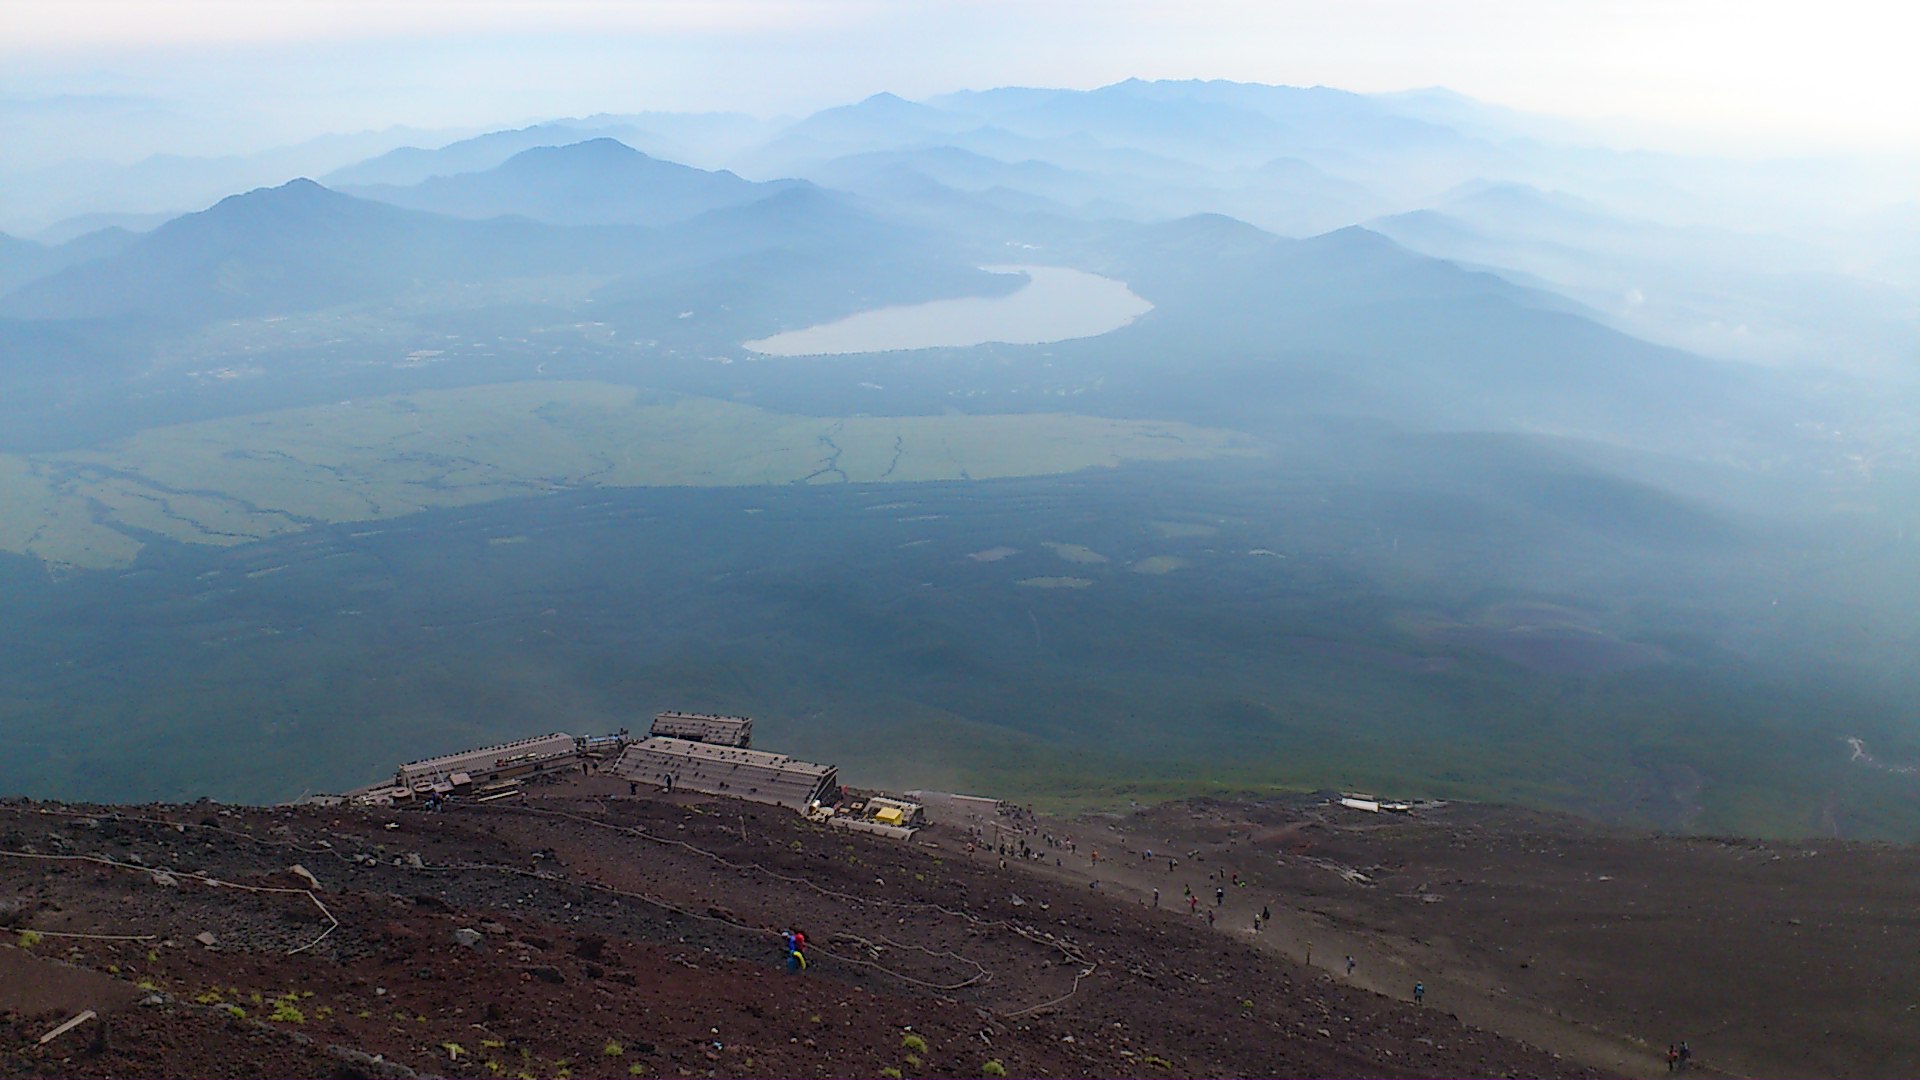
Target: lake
(1055, 304)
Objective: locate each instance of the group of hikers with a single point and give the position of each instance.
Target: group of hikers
(1020, 848)
(794, 952)
(1679, 1057)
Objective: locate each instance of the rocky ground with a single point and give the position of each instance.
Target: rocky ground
(583, 932)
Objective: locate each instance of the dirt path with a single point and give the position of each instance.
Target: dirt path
(1386, 964)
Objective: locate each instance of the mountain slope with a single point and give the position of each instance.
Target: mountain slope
(1351, 323)
(408, 165)
(297, 247)
(23, 261)
(597, 182)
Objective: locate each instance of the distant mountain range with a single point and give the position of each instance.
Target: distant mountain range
(599, 181)
(405, 166)
(23, 261)
(303, 247)
(1453, 349)
(297, 247)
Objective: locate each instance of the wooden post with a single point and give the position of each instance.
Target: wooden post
(66, 1027)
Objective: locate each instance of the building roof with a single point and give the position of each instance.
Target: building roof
(487, 758)
(705, 727)
(725, 770)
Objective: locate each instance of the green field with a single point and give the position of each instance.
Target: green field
(242, 479)
(858, 625)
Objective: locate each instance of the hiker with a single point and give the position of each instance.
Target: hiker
(1349, 963)
(1219, 896)
(1686, 1056)
(1209, 918)
(633, 787)
(1673, 1059)
(1265, 914)
(1156, 898)
(1193, 903)
(1170, 864)
(1419, 993)
(797, 950)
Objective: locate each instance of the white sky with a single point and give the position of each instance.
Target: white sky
(206, 75)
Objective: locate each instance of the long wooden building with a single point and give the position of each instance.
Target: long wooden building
(704, 727)
(757, 775)
(523, 757)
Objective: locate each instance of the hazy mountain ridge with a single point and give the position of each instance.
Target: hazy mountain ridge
(296, 247)
(599, 181)
(406, 166)
(1444, 452)
(23, 261)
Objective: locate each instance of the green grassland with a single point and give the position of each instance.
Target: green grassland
(853, 623)
(241, 479)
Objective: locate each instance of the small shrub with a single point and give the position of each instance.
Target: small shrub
(613, 1049)
(636, 1069)
(1157, 1062)
(890, 1073)
(914, 1043)
(993, 1068)
(30, 938)
(286, 1012)
(913, 1061)
(453, 1049)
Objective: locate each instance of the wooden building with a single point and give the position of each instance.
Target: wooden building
(705, 728)
(672, 764)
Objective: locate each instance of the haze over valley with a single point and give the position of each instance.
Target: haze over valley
(1084, 446)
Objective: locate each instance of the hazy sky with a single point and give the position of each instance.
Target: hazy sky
(209, 75)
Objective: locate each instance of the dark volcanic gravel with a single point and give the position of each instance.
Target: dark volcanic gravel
(635, 937)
